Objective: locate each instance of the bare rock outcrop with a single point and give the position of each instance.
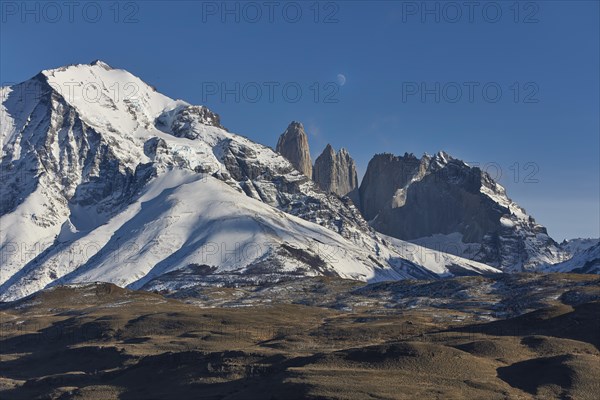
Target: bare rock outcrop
(442, 203)
(335, 172)
(293, 145)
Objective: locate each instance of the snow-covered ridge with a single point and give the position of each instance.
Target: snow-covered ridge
(578, 245)
(103, 178)
(585, 260)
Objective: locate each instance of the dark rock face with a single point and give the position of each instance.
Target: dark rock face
(184, 118)
(385, 174)
(446, 199)
(335, 173)
(293, 145)
(414, 199)
(154, 146)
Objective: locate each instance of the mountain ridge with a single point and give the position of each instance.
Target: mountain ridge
(118, 188)
(442, 203)
(439, 199)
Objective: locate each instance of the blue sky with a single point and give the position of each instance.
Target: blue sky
(419, 77)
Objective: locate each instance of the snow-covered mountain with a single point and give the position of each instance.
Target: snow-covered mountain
(577, 245)
(103, 178)
(585, 257)
(586, 261)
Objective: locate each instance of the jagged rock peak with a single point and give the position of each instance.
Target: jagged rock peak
(293, 145)
(182, 121)
(335, 173)
(441, 201)
(102, 64)
(329, 150)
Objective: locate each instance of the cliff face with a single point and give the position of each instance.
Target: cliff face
(293, 145)
(335, 173)
(385, 175)
(442, 203)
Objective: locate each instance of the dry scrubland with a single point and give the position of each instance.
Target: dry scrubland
(510, 337)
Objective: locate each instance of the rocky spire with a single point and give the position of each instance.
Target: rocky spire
(335, 173)
(293, 145)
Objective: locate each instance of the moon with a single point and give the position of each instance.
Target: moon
(341, 79)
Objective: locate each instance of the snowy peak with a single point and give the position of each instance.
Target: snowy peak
(108, 98)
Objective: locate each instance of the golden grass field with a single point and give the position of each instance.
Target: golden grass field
(319, 339)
